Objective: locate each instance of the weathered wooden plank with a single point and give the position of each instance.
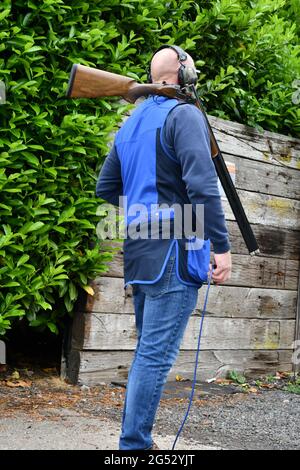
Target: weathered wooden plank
(109, 331)
(259, 271)
(109, 297)
(224, 301)
(245, 302)
(245, 141)
(265, 209)
(251, 133)
(106, 366)
(256, 271)
(261, 177)
(274, 242)
(268, 210)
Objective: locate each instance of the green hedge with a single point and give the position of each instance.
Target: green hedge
(51, 148)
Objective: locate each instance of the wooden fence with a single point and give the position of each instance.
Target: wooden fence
(251, 320)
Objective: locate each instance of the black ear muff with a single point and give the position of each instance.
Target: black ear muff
(181, 75)
(186, 75)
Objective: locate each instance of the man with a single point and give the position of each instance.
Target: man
(161, 155)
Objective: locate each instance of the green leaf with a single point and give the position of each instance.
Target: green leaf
(72, 291)
(31, 227)
(31, 159)
(52, 327)
(11, 284)
(23, 260)
(66, 215)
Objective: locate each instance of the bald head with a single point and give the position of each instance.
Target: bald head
(165, 65)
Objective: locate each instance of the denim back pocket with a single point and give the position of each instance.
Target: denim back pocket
(198, 258)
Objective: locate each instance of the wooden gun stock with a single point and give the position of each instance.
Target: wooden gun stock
(88, 82)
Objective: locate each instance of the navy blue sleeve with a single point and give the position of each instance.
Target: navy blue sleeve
(186, 136)
(109, 185)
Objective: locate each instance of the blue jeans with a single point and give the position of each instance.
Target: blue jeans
(162, 311)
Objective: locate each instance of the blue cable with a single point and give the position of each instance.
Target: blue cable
(196, 362)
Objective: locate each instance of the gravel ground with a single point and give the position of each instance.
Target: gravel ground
(47, 413)
(266, 421)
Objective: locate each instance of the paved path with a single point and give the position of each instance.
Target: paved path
(70, 430)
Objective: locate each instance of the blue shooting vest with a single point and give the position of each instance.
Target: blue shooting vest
(152, 177)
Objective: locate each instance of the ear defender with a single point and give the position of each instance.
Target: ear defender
(186, 75)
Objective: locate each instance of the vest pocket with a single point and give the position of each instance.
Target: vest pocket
(198, 258)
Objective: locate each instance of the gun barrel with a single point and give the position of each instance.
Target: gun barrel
(236, 205)
(228, 186)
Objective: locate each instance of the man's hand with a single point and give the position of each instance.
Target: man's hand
(223, 270)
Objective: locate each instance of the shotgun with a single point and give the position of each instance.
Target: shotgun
(88, 82)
